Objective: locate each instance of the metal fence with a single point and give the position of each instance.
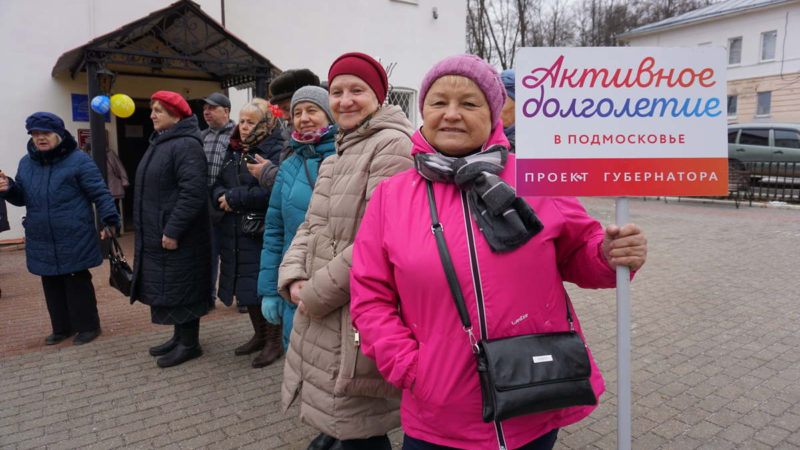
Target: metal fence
(764, 181)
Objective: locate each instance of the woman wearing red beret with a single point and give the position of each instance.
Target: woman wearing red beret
(172, 266)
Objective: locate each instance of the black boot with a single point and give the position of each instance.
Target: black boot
(273, 349)
(322, 442)
(258, 340)
(164, 348)
(188, 346)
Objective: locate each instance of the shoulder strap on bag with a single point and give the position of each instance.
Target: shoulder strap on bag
(115, 250)
(308, 173)
(447, 261)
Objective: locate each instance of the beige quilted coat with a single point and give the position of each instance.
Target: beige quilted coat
(341, 392)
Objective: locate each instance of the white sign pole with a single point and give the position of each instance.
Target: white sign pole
(623, 341)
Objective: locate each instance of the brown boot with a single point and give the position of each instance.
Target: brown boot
(258, 340)
(273, 350)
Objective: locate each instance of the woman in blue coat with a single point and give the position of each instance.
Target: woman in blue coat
(245, 203)
(312, 141)
(58, 186)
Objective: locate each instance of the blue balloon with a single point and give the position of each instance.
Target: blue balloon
(101, 104)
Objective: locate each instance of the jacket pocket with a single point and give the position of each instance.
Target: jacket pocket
(421, 388)
(358, 375)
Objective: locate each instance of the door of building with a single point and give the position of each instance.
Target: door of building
(133, 138)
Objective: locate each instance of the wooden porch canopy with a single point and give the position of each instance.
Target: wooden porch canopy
(180, 41)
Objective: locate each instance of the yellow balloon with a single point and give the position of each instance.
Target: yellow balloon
(122, 105)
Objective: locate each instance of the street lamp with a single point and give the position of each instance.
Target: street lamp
(105, 79)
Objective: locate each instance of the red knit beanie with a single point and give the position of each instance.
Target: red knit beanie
(365, 67)
(174, 103)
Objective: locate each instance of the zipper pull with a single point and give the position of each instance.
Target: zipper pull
(356, 337)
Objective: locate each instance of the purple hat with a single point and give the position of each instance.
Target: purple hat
(477, 70)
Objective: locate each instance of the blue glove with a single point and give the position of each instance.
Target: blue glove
(271, 308)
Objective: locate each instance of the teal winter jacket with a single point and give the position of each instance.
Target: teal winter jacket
(288, 204)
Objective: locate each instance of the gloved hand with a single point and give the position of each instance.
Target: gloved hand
(271, 308)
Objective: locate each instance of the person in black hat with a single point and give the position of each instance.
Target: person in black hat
(217, 114)
(281, 91)
(284, 86)
(58, 186)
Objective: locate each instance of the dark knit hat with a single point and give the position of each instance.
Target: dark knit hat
(45, 121)
(284, 85)
(173, 102)
(365, 67)
(477, 70)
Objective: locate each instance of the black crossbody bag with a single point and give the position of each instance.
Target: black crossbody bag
(526, 374)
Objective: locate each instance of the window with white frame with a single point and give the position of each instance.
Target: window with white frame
(763, 103)
(768, 39)
(404, 98)
(735, 50)
(732, 105)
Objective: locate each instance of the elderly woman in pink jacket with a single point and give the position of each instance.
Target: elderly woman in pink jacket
(510, 265)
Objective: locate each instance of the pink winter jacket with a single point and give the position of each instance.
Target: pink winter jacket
(403, 309)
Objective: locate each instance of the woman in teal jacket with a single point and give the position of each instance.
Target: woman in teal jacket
(312, 141)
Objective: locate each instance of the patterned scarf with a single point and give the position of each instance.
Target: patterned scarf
(263, 128)
(506, 221)
(310, 137)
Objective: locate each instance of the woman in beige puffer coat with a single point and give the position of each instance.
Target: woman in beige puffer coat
(341, 392)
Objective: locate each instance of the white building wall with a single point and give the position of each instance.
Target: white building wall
(311, 33)
(403, 33)
(749, 26)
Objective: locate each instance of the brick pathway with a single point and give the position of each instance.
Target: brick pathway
(715, 333)
(23, 312)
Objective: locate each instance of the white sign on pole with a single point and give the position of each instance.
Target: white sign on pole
(621, 121)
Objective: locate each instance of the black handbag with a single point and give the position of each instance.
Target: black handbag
(120, 276)
(525, 374)
(252, 225)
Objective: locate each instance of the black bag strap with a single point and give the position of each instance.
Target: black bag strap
(447, 261)
(450, 271)
(115, 250)
(308, 173)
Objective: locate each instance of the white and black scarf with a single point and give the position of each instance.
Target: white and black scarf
(506, 221)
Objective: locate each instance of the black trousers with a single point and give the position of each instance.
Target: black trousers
(373, 443)
(545, 442)
(71, 302)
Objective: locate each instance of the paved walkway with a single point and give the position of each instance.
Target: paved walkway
(715, 359)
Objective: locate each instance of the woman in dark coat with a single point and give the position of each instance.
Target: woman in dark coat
(58, 185)
(245, 203)
(172, 267)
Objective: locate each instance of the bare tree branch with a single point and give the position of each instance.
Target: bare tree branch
(495, 28)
